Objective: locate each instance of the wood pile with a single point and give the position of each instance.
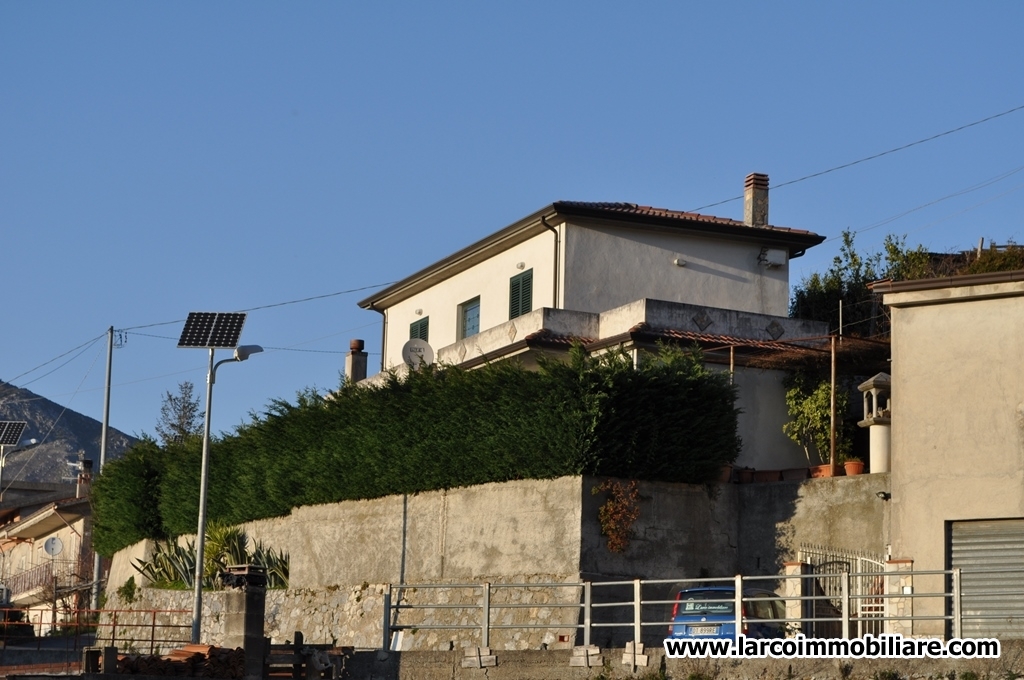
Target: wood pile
(191, 661)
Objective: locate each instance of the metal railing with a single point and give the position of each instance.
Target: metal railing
(132, 629)
(835, 611)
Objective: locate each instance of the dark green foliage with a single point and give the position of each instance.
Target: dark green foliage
(437, 428)
(819, 296)
(126, 497)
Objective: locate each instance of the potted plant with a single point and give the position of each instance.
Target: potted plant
(810, 407)
(852, 465)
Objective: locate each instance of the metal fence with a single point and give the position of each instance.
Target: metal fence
(818, 603)
(132, 629)
(866, 587)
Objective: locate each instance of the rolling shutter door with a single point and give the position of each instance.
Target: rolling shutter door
(986, 551)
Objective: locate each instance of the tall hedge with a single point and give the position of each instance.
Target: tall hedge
(670, 420)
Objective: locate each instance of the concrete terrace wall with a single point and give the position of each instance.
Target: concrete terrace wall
(528, 531)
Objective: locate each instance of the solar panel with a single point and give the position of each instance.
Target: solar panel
(10, 432)
(212, 329)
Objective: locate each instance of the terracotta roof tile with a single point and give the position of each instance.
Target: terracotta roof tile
(650, 211)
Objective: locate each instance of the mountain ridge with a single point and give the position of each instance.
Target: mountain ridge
(62, 431)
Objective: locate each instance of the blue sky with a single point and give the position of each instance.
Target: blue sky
(158, 158)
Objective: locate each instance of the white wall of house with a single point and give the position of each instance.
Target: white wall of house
(609, 266)
(489, 280)
(761, 398)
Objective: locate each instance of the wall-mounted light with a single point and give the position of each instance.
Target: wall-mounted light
(520, 265)
(773, 258)
(884, 495)
(419, 312)
(679, 262)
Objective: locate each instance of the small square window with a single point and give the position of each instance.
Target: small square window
(420, 329)
(469, 318)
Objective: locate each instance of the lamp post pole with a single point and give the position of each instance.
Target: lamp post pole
(197, 600)
(241, 354)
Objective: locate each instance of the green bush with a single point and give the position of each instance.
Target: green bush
(441, 427)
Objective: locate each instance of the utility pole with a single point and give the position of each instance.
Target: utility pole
(95, 600)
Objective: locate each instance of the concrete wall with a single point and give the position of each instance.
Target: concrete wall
(608, 266)
(532, 532)
(841, 512)
(958, 413)
(761, 398)
(490, 530)
(683, 531)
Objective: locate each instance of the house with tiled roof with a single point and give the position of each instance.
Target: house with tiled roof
(46, 558)
(619, 275)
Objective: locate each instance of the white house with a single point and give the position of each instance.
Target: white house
(617, 274)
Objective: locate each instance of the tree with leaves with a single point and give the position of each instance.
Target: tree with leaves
(844, 286)
(180, 417)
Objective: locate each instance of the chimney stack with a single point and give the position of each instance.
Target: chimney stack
(355, 362)
(84, 479)
(755, 200)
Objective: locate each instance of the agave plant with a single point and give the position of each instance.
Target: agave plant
(275, 562)
(174, 566)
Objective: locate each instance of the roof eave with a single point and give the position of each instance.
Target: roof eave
(513, 234)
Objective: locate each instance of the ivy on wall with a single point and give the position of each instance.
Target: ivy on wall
(671, 420)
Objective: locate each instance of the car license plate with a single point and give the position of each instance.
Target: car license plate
(703, 630)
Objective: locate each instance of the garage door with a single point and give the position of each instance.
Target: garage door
(990, 554)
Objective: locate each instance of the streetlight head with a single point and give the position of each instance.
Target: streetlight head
(25, 443)
(243, 352)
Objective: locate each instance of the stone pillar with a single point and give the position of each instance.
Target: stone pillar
(792, 589)
(244, 609)
(899, 581)
(355, 362)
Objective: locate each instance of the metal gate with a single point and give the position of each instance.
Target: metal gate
(990, 554)
(867, 584)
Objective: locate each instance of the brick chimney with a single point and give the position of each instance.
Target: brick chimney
(755, 200)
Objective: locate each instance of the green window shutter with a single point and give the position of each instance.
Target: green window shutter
(520, 294)
(420, 329)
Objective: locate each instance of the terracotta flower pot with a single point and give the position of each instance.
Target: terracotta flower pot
(725, 474)
(767, 475)
(745, 475)
(795, 474)
(854, 467)
(823, 471)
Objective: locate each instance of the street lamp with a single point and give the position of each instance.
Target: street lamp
(210, 330)
(10, 442)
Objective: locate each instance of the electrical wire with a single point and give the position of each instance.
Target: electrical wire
(870, 158)
(982, 185)
(59, 356)
(276, 304)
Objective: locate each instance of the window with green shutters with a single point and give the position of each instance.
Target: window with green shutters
(520, 294)
(420, 329)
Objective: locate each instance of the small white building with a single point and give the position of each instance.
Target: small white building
(616, 274)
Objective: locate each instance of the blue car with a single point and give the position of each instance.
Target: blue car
(710, 612)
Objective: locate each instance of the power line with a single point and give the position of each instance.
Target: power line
(981, 185)
(276, 304)
(59, 356)
(872, 157)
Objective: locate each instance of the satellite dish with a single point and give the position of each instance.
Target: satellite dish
(417, 352)
(53, 546)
